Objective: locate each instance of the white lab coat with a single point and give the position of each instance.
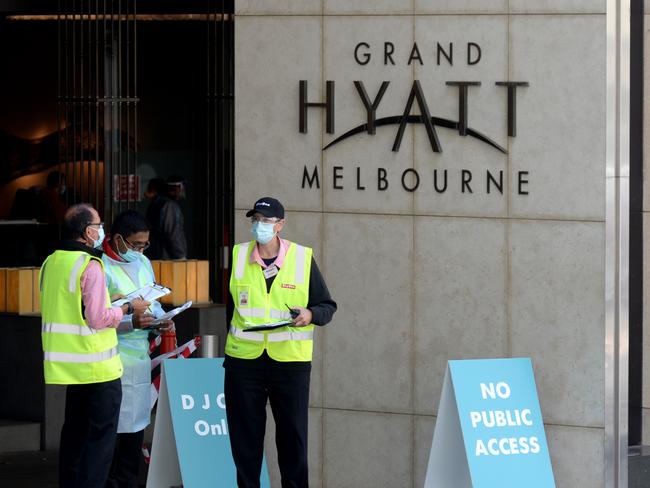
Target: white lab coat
(123, 278)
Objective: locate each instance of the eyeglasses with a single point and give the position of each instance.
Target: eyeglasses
(138, 247)
(91, 224)
(264, 220)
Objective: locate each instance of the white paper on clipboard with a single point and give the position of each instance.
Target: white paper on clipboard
(149, 292)
(172, 313)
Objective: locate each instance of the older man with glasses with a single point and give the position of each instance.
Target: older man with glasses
(80, 348)
(277, 296)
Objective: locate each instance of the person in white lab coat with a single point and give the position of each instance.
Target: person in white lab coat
(128, 269)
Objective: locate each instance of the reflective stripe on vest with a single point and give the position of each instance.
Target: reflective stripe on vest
(69, 357)
(273, 337)
(280, 314)
(241, 260)
(251, 312)
(260, 312)
(300, 264)
(74, 276)
(82, 330)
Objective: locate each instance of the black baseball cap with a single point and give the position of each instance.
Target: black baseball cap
(267, 206)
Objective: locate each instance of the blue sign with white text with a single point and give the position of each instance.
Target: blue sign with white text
(198, 412)
(501, 423)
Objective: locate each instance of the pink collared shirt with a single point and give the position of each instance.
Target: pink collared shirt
(93, 292)
(279, 260)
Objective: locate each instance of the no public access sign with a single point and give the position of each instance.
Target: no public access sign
(489, 432)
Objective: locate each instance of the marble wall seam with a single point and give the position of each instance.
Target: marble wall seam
(434, 215)
(414, 446)
(434, 415)
(413, 358)
(538, 13)
(324, 268)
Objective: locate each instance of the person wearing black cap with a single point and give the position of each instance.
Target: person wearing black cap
(277, 296)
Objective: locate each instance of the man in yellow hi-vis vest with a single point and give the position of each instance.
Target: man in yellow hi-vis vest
(277, 295)
(80, 348)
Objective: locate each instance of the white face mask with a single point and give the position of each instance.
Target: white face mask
(97, 243)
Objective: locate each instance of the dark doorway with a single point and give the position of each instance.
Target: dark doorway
(126, 91)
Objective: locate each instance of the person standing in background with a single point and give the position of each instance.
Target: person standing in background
(51, 207)
(167, 223)
(80, 348)
(155, 187)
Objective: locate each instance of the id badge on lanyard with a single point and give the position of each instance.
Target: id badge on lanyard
(271, 271)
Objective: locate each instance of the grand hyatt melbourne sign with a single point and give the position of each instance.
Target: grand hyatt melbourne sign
(409, 179)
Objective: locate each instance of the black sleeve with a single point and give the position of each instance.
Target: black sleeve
(320, 302)
(230, 309)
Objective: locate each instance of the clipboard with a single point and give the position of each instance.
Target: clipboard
(150, 291)
(271, 326)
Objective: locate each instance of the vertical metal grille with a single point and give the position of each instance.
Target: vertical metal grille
(98, 103)
(98, 112)
(220, 142)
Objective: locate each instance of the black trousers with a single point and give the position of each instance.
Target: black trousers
(126, 460)
(88, 434)
(246, 394)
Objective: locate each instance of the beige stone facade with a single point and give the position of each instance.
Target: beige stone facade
(422, 276)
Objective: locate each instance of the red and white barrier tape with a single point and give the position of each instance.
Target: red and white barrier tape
(183, 352)
(154, 343)
(146, 454)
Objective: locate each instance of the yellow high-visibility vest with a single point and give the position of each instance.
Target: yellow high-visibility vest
(73, 352)
(254, 306)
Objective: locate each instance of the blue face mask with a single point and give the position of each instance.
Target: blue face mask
(263, 233)
(130, 255)
(100, 239)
